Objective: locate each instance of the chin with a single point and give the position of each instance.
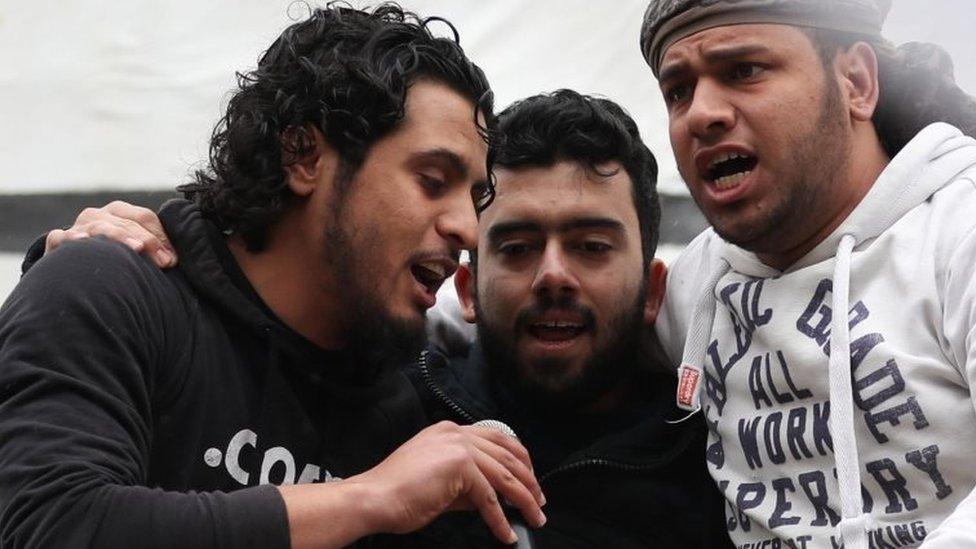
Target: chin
(551, 375)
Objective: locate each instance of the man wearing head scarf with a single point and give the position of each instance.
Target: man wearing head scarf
(825, 324)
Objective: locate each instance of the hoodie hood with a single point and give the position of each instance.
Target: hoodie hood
(195, 238)
(206, 263)
(936, 156)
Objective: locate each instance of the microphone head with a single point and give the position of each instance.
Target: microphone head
(495, 425)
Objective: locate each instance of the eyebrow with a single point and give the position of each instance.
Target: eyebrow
(500, 230)
(445, 156)
(713, 56)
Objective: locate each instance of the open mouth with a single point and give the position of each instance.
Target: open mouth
(556, 331)
(726, 171)
(432, 273)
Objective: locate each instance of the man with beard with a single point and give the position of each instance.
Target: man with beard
(825, 325)
(149, 408)
(562, 290)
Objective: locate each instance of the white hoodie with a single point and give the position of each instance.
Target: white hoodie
(791, 437)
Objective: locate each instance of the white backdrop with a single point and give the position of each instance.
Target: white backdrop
(101, 94)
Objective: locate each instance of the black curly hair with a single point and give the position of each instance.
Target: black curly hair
(565, 125)
(916, 86)
(343, 71)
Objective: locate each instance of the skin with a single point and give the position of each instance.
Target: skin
(762, 91)
(560, 232)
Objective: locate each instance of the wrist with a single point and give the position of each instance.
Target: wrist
(334, 514)
(373, 510)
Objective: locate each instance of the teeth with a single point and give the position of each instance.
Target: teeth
(723, 158)
(557, 324)
(730, 181)
(435, 268)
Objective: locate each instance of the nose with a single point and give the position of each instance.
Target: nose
(710, 114)
(554, 275)
(458, 223)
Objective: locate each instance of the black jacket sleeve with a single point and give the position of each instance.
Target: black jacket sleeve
(34, 253)
(85, 342)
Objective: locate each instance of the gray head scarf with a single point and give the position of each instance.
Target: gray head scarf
(667, 21)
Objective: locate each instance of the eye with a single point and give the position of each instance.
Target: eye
(514, 249)
(745, 71)
(594, 247)
(434, 186)
(676, 93)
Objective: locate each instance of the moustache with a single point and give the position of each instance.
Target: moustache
(546, 305)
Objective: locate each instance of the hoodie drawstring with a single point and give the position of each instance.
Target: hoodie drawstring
(854, 522)
(699, 332)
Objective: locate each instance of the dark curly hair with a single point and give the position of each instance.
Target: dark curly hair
(916, 86)
(343, 71)
(565, 125)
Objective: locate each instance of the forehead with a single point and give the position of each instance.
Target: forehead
(713, 42)
(555, 194)
(438, 118)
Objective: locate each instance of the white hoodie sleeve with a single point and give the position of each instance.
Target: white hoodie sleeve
(959, 529)
(686, 280)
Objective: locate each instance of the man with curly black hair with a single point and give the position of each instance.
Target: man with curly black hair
(148, 408)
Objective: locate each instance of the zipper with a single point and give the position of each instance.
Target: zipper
(424, 365)
(595, 462)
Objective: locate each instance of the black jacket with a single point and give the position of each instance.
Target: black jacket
(643, 483)
(146, 408)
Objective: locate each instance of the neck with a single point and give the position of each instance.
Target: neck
(288, 278)
(866, 161)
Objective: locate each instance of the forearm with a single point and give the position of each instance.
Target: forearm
(63, 515)
(334, 514)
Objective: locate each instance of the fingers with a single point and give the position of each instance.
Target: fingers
(483, 497)
(137, 227)
(58, 236)
(511, 454)
(513, 481)
(510, 443)
(144, 217)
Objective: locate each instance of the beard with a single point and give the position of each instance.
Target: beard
(376, 341)
(549, 384)
(819, 155)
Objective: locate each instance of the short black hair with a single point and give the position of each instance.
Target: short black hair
(916, 86)
(541, 130)
(341, 70)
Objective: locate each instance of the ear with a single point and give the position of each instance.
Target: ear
(304, 174)
(464, 283)
(657, 280)
(858, 74)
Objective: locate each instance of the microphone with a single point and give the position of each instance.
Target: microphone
(523, 532)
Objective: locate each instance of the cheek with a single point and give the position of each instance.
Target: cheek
(502, 294)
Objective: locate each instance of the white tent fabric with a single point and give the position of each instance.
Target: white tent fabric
(98, 94)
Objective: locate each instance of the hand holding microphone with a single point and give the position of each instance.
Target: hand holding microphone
(447, 467)
(523, 532)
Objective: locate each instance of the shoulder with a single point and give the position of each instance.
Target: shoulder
(93, 280)
(686, 278)
(91, 262)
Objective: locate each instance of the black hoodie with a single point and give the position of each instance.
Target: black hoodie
(627, 478)
(149, 408)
